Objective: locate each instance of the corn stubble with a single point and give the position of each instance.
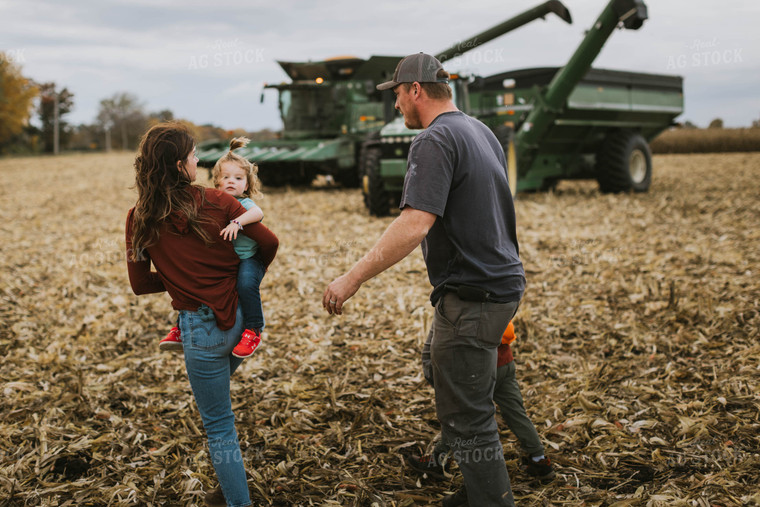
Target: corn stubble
(637, 349)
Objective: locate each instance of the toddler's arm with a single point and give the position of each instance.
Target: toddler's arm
(254, 214)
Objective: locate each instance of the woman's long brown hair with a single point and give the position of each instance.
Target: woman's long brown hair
(163, 190)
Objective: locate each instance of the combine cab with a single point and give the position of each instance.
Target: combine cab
(574, 122)
(327, 110)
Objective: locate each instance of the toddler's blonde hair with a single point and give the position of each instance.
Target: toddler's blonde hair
(250, 168)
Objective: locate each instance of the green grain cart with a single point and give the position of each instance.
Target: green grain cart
(574, 122)
(330, 107)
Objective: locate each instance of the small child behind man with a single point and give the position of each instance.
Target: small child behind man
(510, 402)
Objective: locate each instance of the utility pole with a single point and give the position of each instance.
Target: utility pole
(56, 147)
(108, 137)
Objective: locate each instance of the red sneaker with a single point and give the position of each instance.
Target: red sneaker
(248, 343)
(173, 340)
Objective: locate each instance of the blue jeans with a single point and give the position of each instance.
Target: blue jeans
(209, 365)
(250, 273)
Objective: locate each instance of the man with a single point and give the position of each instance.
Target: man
(456, 202)
(535, 464)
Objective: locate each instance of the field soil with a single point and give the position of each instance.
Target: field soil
(637, 349)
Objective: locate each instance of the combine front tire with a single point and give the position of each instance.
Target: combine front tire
(376, 198)
(348, 178)
(624, 163)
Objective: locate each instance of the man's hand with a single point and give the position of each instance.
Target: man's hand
(401, 237)
(339, 290)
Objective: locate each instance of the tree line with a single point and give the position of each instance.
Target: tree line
(121, 120)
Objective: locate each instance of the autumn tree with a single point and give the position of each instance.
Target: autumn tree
(208, 131)
(85, 137)
(264, 135)
(202, 133)
(160, 116)
(122, 113)
(16, 100)
(50, 98)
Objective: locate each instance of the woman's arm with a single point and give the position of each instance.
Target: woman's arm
(141, 278)
(268, 242)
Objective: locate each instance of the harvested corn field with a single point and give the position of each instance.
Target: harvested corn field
(637, 349)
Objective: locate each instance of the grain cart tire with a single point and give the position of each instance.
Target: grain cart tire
(624, 163)
(376, 198)
(506, 137)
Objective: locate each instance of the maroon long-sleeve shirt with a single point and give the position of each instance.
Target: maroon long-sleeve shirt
(189, 270)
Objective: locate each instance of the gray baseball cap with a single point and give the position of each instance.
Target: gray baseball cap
(417, 67)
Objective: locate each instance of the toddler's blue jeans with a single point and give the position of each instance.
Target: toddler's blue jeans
(250, 273)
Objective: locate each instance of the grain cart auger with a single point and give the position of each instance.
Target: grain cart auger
(376, 197)
(539, 11)
(574, 122)
(623, 160)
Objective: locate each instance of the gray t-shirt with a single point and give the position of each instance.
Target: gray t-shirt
(457, 170)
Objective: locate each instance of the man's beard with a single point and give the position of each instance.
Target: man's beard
(412, 120)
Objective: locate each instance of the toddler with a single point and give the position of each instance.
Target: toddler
(237, 176)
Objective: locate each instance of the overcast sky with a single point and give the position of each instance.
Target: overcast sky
(208, 60)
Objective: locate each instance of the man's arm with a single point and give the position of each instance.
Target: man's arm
(399, 239)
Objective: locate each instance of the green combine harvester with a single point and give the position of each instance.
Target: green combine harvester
(573, 122)
(328, 110)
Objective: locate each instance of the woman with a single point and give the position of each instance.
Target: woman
(175, 225)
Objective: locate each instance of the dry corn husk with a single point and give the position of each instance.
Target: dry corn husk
(637, 349)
